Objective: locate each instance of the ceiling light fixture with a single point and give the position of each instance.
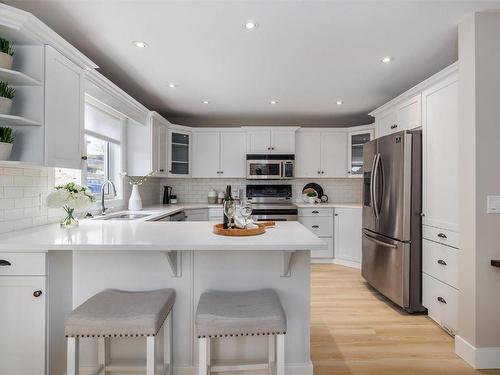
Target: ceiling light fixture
(273, 102)
(386, 59)
(139, 44)
(172, 85)
(205, 102)
(340, 102)
(250, 25)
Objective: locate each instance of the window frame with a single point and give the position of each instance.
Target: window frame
(111, 201)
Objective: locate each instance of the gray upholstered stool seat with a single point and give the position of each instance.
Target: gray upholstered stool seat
(118, 313)
(252, 313)
(113, 312)
(256, 312)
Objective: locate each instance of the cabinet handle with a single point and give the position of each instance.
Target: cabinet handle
(221, 172)
(315, 212)
(4, 263)
(84, 157)
(170, 171)
(348, 172)
(322, 172)
(394, 126)
(442, 300)
(162, 170)
(319, 172)
(336, 215)
(37, 293)
(315, 226)
(422, 214)
(442, 262)
(269, 149)
(272, 148)
(442, 235)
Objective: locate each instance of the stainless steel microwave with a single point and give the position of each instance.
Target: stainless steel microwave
(270, 167)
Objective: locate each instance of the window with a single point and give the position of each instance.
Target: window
(104, 128)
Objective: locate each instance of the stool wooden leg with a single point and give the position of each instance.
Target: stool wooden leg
(203, 352)
(271, 350)
(168, 345)
(151, 355)
(103, 352)
(280, 354)
(73, 354)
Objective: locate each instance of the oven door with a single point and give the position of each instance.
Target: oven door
(263, 169)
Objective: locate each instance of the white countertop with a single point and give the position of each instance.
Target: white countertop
(328, 205)
(156, 236)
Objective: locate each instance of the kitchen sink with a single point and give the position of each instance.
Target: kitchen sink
(123, 217)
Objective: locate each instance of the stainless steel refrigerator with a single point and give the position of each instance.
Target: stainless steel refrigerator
(392, 206)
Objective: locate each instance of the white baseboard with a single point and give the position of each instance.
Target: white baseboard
(341, 262)
(291, 369)
(322, 260)
(478, 358)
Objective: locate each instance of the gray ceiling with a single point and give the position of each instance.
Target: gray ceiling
(305, 54)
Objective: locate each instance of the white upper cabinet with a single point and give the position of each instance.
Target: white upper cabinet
(402, 116)
(179, 146)
(160, 145)
(321, 154)
(440, 154)
(64, 111)
(334, 154)
(271, 140)
(219, 154)
(356, 140)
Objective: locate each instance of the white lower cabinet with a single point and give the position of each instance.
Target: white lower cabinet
(441, 301)
(215, 214)
(198, 214)
(348, 226)
(320, 222)
(22, 325)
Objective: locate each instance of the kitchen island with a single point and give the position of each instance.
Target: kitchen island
(186, 256)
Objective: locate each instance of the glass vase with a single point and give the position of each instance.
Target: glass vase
(70, 220)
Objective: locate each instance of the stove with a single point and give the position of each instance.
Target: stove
(272, 202)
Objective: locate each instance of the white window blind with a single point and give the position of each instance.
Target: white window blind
(100, 123)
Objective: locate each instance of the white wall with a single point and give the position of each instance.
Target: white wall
(479, 133)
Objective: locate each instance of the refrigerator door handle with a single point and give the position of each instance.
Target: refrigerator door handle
(372, 186)
(382, 243)
(375, 186)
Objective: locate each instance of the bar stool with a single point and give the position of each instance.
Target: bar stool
(119, 313)
(229, 314)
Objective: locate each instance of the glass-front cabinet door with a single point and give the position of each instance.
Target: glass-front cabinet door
(180, 142)
(356, 141)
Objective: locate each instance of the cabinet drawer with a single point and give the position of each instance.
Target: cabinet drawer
(327, 253)
(22, 264)
(321, 226)
(441, 262)
(442, 302)
(197, 214)
(313, 211)
(444, 236)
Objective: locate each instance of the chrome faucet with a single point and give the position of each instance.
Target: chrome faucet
(103, 207)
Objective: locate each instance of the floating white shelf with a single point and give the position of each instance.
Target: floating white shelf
(17, 121)
(15, 78)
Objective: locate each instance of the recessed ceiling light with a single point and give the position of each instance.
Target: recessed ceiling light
(273, 102)
(205, 102)
(340, 102)
(172, 85)
(139, 44)
(386, 59)
(250, 25)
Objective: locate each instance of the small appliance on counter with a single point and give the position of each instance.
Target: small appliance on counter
(212, 197)
(167, 194)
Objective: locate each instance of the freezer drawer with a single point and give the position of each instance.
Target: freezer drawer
(386, 266)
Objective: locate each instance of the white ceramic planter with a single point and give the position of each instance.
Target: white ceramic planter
(311, 199)
(5, 150)
(5, 61)
(135, 201)
(5, 106)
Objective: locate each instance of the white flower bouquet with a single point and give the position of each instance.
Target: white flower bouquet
(70, 197)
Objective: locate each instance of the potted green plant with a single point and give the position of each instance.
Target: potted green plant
(7, 93)
(6, 54)
(311, 196)
(6, 142)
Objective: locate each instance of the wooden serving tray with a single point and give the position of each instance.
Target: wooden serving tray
(237, 232)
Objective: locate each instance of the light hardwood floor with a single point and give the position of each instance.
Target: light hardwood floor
(355, 331)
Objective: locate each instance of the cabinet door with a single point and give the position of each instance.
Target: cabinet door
(64, 105)
(356, 141)
(22, 325)
(386, 123)
(334, 154)
(233, 154)
(161, 149)
(282, 141)
(259, 141)
(410, 113)
(440, 155)
(347, 235)
(180, 149)
(308, 156)
(206, 151)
